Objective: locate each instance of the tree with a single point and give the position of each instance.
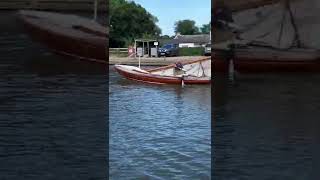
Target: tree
(186, 27)
(205, 29)
(165, 37)
(128, 21)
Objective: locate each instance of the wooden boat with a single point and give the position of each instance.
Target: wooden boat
(221, 58)
(249, 59)
(280, 37)
(195, 72)
(68, 35)
(274, 60)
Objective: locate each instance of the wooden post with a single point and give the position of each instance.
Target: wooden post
(143, 48)
(135, 48)
(139, 62)
(148, 48)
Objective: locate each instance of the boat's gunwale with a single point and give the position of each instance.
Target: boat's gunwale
(160, 79)
(183, 63)
(40, 23)
(90, 40)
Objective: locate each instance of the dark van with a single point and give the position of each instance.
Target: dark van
(169, 50)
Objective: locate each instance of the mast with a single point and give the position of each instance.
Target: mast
(95, 10)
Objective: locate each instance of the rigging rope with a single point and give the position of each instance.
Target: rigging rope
(296, 40)
(281, 27)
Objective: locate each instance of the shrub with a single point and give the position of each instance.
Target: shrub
(194, 51)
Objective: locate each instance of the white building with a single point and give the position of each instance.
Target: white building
(198, 40)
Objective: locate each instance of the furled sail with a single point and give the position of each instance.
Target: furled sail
(285, 24)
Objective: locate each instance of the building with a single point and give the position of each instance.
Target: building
(198, 40)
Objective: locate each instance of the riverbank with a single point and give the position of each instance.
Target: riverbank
(153, 61)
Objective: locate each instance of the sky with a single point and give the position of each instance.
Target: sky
(170, 11)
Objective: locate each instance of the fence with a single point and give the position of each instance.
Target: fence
(123, 52)
(120, 52)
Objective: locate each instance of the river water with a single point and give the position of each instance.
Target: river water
(158, 131)
(265, 126)
(53, 117)
(53, 121)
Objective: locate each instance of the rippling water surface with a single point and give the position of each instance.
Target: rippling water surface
(265, 126)
(159, 131)
(52, 112)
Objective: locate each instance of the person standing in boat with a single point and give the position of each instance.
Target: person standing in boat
(178, 69)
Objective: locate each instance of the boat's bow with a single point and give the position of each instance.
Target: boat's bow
(67, 34)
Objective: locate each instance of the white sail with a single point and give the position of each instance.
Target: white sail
(272, 25)
(198, 69)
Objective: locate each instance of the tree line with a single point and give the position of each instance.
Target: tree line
(188, 27)
(129, 21)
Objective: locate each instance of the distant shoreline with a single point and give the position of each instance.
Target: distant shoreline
(153, 61)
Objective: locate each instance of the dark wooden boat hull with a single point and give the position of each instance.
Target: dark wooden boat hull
(266, 60)
(220, 60)
(258, 65)
(156, 79)
(89, 48)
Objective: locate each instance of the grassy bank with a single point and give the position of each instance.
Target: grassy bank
(196, 51)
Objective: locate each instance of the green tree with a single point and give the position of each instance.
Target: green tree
(165, 37)
(128, 21)
(205, 29)
(186, 27)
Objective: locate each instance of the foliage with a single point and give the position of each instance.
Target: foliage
(163, 41)
(165, 37)
(186, 27)
(205, 29)
(196, 51)
(129, 21)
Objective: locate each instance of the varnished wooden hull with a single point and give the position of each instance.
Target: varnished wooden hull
(265, 60)
(148, 77)
(155, 79)
(91, 46)
(220, 59)
(258, 65)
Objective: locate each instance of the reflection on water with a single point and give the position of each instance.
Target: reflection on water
(264, 126)
(158, 131)
(52, 111)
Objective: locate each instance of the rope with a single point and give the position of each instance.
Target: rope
(281, 27)
(203, 73)
(199, 68)
(296, 33)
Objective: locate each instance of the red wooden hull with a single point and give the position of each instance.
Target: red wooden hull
(91, 46)
(220, 65)
(220, 61)
(156, 79)
(148, 77)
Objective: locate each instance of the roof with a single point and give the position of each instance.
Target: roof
(146, 40)
(163, 41)
(199, 38)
